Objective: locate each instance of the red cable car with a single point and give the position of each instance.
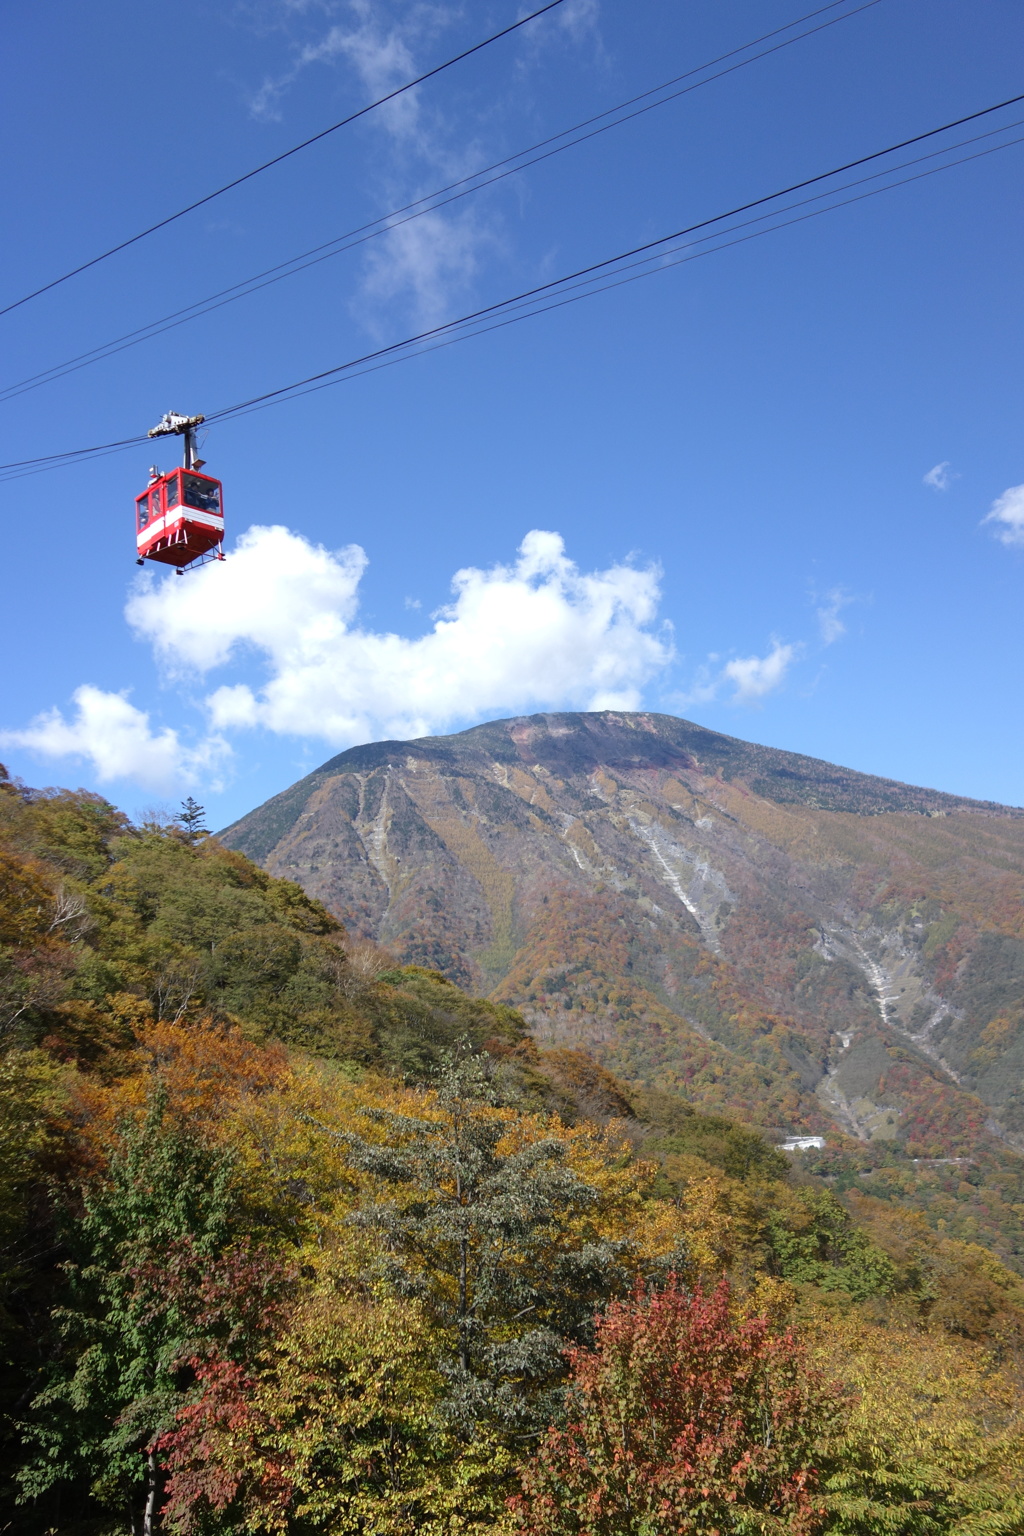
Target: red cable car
(179, 518)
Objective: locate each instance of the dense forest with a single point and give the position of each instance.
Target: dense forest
(296, 1239)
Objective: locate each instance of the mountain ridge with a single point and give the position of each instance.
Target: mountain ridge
(805, 946)
(892, 794)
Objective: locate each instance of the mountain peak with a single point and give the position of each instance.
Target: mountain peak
(811, 946)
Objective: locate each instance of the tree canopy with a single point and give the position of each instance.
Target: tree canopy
(295, 1239)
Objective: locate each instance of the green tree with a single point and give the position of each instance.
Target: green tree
(31, 1090)
(116, 1380)
(817, 1243)
(426, 1344)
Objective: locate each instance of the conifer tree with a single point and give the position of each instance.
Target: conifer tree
(192, 820)
(496, 1239)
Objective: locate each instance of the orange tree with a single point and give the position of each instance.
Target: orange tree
(683, 1418)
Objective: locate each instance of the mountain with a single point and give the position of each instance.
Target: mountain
(812, 948)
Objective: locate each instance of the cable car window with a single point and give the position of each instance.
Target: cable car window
(201, 493)
(172, 493)
(154, 502)
(141, 507)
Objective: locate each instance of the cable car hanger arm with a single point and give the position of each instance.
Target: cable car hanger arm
(174, 424)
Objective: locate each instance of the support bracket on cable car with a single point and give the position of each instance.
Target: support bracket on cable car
(179, 518)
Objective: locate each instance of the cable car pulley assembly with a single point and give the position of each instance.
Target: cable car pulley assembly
(179, 518)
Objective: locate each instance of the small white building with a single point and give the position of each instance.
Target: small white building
(802, 1144)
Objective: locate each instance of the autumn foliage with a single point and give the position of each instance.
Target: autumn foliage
(684, 1418)
(294, 1239)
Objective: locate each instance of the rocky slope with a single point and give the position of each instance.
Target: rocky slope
(810, 946)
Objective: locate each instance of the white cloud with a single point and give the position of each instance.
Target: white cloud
(276, 591)
(424, 261)
(535, 634)
(941, 476)
(379, 50)
(423, 271)
(119, 742)
(578, 16)
(751, 677)
(426, 264)
(831, 625)
(1008, 510)
(754, 676)
(703, 688)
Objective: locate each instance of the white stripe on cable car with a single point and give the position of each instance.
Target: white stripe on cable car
(190, 515)
(156, 526)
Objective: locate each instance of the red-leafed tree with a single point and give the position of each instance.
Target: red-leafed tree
(238, 1306)
(684, 1420)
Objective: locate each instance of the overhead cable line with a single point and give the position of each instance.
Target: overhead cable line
(286, 154)
(649, 245)
(651, 264)
(597, 277)
(432, 201)
(481, 323)
(595, 287)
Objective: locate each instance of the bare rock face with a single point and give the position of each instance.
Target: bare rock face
(807, 945)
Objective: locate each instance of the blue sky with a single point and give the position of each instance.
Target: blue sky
(733, 453)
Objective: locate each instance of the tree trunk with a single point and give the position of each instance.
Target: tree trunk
(150, 1514)
(463, 1304)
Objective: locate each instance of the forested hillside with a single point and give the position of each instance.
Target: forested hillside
(806, 947)
(297, 1238)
